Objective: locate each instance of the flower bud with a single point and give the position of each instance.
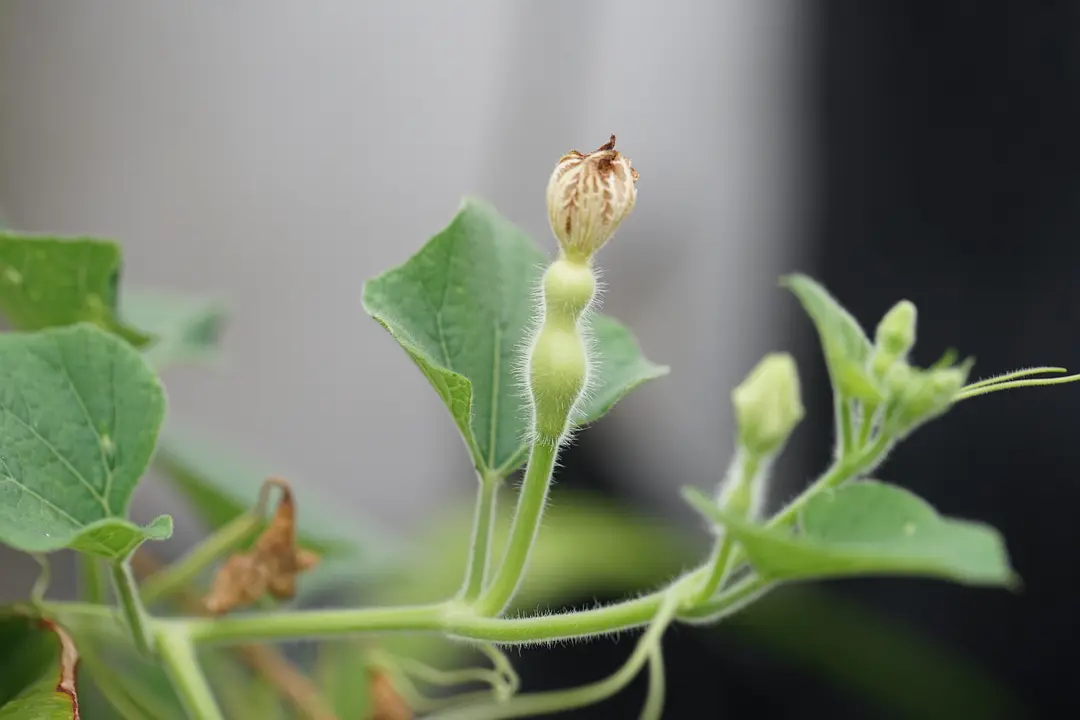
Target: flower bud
(927, 394)
(768, 405)
(896, 331)
(588, 195)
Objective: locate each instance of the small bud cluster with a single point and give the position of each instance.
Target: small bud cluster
(915, 395)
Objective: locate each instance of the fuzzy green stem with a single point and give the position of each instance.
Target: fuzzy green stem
(523, 531)
(543, 703)
(502, 665)
(1027, 372)
(842, 470)
(179, 574)
(480, 550)
(92, 583)
(446, 678)
(654, 701)
(41, 584)
(127, 592)
(985, 387)
(311, 623)
(178, 657)
(743, 473)
(868, 414)
(845, 431)
(558, 373)
(451, 619)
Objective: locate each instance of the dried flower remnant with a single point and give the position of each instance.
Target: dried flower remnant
(386, 701)
(588, 195)
(271, 566)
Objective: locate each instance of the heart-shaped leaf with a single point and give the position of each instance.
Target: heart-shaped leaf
(870, 528)
(846, 348)
(37, 671)
(52, 282)
(80, 411)
(185, 329)
(462, 307)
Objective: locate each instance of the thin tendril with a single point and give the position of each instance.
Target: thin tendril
(1014, 375)
(974, 391)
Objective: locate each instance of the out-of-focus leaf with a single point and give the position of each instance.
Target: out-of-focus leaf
(53, 282)
(38, 664)
(185, 329)
(847, 349)
(869, 528)
(341, 672)
(219, 486)
(125, 686)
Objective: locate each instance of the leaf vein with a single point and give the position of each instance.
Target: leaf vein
(10, 477)
(59, 456)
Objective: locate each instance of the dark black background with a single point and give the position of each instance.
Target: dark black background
(946, 169)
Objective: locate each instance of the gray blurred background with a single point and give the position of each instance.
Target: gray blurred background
(276, 154)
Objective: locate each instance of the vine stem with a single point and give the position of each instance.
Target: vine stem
(455, 618)
(127, 592)
(654, 701)
(526, 524)
(450, 618)
(841, 471)
(480, 550)
(845, 428)
(542, 703)
(92, 583)
(743, 472)
(178, 656)
(179, 574)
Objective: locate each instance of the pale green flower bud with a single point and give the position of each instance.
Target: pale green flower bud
(768, 405)
(896, 331)
(894, 338)
(588, 195)
(926, 394)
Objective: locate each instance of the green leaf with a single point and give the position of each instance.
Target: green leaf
(846, 348)
(116, 683)
(185, 329)
(462, 308)
(620, 367)
(79, 416)
(37, 671)
(53, 282)
(870, 528)
(220, 485)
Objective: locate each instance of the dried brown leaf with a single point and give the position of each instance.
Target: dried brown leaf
(270, 566)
